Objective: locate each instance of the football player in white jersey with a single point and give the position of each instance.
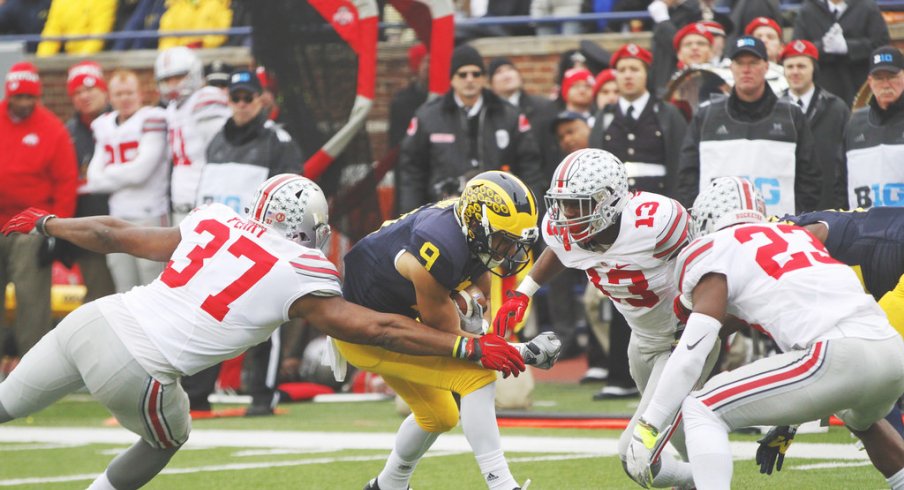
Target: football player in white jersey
(229, 283)
(194, 115)
(626, 243)
(130, 163)
(780, 279)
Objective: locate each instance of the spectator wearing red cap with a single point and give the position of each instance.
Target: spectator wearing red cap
(755, 134)
(638, 128)
(577, 92)
(605, 90)
(694, 45)
(827, 116)
(718, 45)
(38, 171)
(88, 92)
(768, 31)
(845, 32)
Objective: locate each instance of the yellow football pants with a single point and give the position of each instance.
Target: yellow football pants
(426, 383)
(892, 303)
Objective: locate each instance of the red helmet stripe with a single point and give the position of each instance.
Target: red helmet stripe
(268, 191)
(746, 192)
(563, 168)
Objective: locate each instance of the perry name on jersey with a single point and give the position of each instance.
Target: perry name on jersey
(774, 268)
(637, 270)
(432, 235)
(229, 284)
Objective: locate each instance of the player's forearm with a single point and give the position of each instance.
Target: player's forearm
(402, 334)
(547, 267)
(95, 233)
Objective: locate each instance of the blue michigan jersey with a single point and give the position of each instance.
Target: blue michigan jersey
(432, 235)
(872, 239)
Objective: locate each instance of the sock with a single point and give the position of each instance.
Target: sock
(673, 473)
(102, 483)
(478, 421)
(896, 481)
(707, 446)
(410, 445)
(137, 465)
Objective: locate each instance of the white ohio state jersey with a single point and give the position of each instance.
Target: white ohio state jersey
(782, 281)
(229, 284)
(121, 145)
(636, 272)
(191, 126)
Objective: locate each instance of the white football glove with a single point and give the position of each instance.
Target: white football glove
(659, 11)
(542, 351)
(833, 41)
(640, 451)
(472, 321)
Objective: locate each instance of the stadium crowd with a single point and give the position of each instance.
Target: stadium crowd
(812, 119)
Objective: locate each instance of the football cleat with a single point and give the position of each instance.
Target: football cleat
(372, 485)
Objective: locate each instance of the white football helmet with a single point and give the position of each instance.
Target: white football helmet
(293, 206)
(727, 201)
(178, 61)
(589, 189)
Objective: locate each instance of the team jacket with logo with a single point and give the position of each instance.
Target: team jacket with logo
(191, 126)
(875, 150)
(782, 280)
(229, 284)
(636, 272)
(239, 159)
(436, 148)
(130, 163)
(768, 142)
(432, 235)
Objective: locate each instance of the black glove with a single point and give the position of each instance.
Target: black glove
(773, 446)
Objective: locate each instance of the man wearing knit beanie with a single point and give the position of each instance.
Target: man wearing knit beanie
(467, 131)
(88, 91)
(39, 171)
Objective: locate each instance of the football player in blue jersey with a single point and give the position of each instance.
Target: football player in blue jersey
(412, 266)
(872, 243)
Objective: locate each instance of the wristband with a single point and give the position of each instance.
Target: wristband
(464, 349)
(41, 224)
(528, 286)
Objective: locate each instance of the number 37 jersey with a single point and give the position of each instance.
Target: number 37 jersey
(229, 284)
(636, 271)
(782, 280)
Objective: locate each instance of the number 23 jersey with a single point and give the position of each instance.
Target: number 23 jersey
(229, 284)
(781, 280)
(636, 271)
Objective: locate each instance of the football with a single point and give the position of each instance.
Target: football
(463, 305)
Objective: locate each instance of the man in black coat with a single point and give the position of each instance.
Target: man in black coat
(467, 131)
(506, 82)
(845, 32)
(827, 116)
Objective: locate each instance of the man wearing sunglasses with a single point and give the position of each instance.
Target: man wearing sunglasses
(467, 131)
(247, 151)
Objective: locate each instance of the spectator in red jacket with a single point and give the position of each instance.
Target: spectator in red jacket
(38, 170)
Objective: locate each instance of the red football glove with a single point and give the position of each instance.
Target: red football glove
(510, 313)
(680, 310)
(26, 222)
(493, 352)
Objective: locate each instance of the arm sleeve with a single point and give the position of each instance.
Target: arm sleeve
(683, 368)
(414, 165)
(688, 177)
(807, 176)
(151, 154)
(875, 35)
(63, 176)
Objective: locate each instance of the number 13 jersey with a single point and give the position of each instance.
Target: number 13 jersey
(636, 271)
(782, 280)
(229, 284)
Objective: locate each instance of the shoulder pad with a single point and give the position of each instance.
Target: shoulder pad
(312, 263)
(692, 255)
(673, 230)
